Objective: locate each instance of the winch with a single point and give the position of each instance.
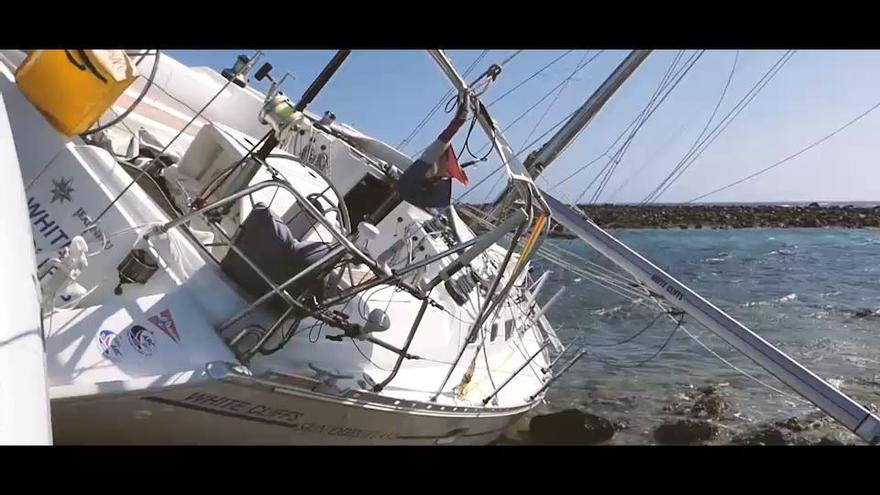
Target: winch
(138, 267)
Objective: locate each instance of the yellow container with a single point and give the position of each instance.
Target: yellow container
(73, 88)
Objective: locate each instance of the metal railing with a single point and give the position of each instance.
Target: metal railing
(340, 248)
(477, 246)
(344, 246)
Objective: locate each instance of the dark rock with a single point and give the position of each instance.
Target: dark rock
(725, 217)
(570, 426)
(505, 440)
(676, 408)
(685, 432)
(865, 312)
(621, 424)
(710, 405)
(518, 432)
(765, 435)
(709, 389)
(794, 424)
(828, 441)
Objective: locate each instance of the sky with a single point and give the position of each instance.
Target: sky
(386, 93)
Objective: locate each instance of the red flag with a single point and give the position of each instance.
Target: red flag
(449, 167)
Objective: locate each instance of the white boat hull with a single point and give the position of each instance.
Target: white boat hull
(23, 380)
(133, 367)
(233, 409)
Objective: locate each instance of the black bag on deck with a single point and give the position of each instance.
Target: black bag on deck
(266, 240)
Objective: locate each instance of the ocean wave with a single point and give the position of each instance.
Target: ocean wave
(866, 312)
(822, 344)
(788, 298)
(620, 311)
(783, 299)
(835, 382)
(783, 252)
(721, 258)
(837, 310)
(832, 293)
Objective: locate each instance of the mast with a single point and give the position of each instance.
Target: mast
(537, 162)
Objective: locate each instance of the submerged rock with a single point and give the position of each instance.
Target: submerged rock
(685, 432)
(791, 424)
(710, 405)
(621, 424)
(570, 426)
(828, 441)
(866, 312)
(676, 408)
(506, 440)
(708, 390)
(765, 435)
(798, 425)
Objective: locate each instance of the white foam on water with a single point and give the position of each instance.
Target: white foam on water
(788, 298)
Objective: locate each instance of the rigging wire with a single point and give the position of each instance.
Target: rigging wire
(698, 141)
(546, 95)
(422, 123)
(668, 340)
(650, 159)
(721, 126)
(544, 115)
(520, 152)
(534, 141)
(508, 59)
(789, 157)
(146, 166)
(137, 101)
(631, 337)
(534, 75)
(624, 131)
(612, 282)
(731, 365)
(448, 93)
(613, 163)
(666, 143)
(679, 324)
(652, 356)
(640, 120)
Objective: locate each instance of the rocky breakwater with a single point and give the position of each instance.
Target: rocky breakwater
(731, 216)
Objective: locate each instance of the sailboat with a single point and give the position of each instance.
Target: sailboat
(221, 265)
